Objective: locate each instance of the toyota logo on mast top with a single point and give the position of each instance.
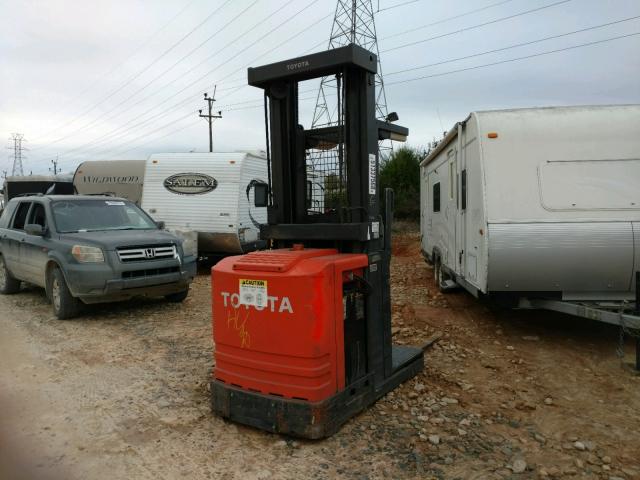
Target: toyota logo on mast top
(298, 65)
(149, 253)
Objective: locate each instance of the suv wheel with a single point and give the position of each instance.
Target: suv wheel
(177, 297)
(8, 283)
(64, 304)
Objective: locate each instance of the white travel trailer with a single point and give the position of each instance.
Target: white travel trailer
(120, 178)
(541, 205)
(209, 193)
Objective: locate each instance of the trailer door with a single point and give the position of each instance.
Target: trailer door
(451, 211)
(461, 208)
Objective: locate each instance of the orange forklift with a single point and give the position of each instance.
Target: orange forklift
(302, 330)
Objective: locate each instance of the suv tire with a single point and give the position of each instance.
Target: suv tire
(177, 297)
(64, 304)
(8, 283)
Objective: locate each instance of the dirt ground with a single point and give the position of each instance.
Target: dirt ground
(121, 393)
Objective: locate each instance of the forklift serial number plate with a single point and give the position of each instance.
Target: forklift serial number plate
(373, 177)
(253, 292)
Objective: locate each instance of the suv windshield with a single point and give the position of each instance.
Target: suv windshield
(97, 215)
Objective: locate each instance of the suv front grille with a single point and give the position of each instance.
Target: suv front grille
(139, 254)
(150, 272)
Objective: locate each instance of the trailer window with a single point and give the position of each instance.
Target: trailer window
(452, 179)
(436, 197)
(590, 184)
(463, 189)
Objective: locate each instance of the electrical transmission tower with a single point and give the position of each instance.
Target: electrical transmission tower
(17, 148)
(353, 23)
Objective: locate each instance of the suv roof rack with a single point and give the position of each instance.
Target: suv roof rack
(33, 194)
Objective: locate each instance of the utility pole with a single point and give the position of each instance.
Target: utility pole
(210, 117)
(17, 148)
(54, 169)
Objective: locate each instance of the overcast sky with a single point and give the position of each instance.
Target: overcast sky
(107, 79)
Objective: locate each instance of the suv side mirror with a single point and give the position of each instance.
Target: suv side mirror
(161, 225)
(261, 194)
(34, 229)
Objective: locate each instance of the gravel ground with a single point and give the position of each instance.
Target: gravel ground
(122, 393)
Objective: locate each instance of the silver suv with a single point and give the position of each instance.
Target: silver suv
(90, 249)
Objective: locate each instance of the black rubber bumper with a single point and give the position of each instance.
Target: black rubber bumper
(306, 419)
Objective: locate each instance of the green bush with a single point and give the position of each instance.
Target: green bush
(402, 173)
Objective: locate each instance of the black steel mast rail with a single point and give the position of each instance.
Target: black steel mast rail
(358, 232)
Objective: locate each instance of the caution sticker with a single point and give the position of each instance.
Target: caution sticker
(253, 292)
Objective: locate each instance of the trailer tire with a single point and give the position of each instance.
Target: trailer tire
(8, 283)
(439, 276)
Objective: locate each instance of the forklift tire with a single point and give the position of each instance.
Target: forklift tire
(8, 283)
(65, 305)
(177, 297)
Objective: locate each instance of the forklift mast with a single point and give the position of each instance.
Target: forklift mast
(345, 157)
(319, 350)
(343, 210)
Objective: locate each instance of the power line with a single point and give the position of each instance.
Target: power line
(191, 97)
(123, 62)
(233, 57)
(476, 10)
(162, 55)
(479, 25)
(181, 76)
(409, 2)
(144, 87)
(226, 107)
(480, 66)
(398, 82)
(158, 129)
(155, 139)
(259, 104)
(517, 45)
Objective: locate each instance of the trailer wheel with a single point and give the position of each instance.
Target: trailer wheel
(439, 276)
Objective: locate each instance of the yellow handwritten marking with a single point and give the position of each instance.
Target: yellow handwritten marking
(233, 315)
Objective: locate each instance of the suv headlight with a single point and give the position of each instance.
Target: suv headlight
(189, 246)
(86, 254)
